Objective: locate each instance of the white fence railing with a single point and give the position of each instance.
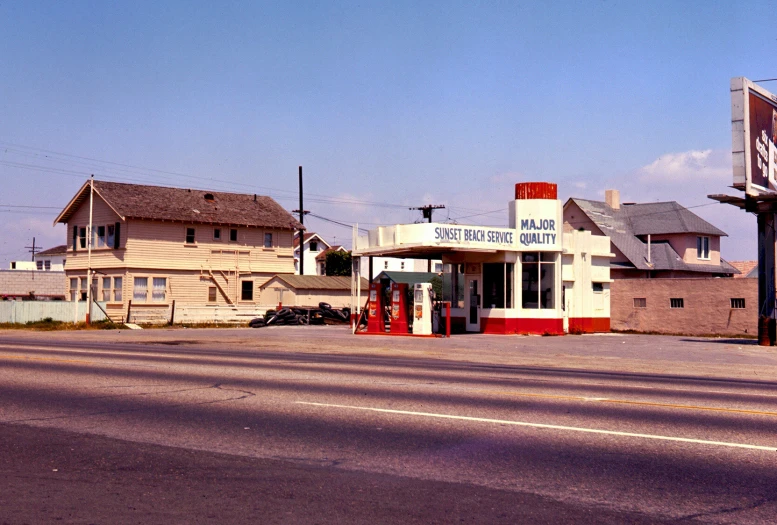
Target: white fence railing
(31, 311)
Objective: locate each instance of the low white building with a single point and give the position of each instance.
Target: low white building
(528, 278)
(312, 245)
(51, 260)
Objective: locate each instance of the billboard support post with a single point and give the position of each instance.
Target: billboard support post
(766, 274)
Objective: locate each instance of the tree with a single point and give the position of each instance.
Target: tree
(338, 263)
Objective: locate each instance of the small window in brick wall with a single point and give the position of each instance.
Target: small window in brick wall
(676, 303)
(640, 302)
(737, 303)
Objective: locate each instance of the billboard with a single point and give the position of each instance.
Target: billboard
(754, 137)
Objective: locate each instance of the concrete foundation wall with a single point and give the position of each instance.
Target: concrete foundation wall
(41, 284)
(707, 308)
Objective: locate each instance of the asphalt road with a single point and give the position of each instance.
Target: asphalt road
(314, 425)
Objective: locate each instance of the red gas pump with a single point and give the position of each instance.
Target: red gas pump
(399, 308)
(375, 322)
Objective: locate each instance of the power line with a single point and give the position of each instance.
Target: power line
(27, 206)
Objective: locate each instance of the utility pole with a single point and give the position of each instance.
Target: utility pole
(427, 214)
(33, 249)
(89, 255)
(302, 213)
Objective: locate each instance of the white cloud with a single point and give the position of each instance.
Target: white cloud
(688, 166)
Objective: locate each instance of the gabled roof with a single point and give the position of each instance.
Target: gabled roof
(138, 201)
(406, 277)
(747, 269)
(56, 250)
(626, 225)
(309, 237)
(315, 282)
(322, 256)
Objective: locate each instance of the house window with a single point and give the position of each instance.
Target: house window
(640, 302)
(737, 303)
(82, 237)
(73, 288)
(100, 237)
(39, 265)
(247, 291)
(538, 280)
(268, 240)
(437, 267)
(703, 248)
(117, 284)
(110, 239)
(402, 266)
(211, 294)
(47, 264)
(313, 246)
(233, 235)
(140, 291)
(598, 287)
(159, 292)
(106, 289)
(385, 265)
(83, 288)
(189, 235)
(323, 269)
(676, 303)
(216, 234)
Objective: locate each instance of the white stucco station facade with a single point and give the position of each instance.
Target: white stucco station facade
(529, 278)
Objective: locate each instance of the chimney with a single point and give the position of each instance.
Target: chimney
(613, 199)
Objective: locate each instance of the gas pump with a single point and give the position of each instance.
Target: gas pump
(399, 308)
(422, 309)
(375, 321)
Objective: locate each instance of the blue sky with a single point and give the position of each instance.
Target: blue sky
(386, 105)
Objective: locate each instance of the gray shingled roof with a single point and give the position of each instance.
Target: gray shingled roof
(316, 282)
(137, 201)
(56, 250)
(624, 226)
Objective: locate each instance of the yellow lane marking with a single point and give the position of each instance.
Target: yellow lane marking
(27, 358)
(630, 402)
(544, 425)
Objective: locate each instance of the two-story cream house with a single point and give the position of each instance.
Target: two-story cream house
(651, 240)
(153, 245)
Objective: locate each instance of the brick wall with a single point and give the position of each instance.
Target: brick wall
(706, 306)
(51, 284)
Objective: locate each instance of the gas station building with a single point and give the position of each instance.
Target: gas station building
(529, 278)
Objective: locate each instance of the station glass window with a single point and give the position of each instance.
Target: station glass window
(453, 284)
(497, 285)
(538, 280)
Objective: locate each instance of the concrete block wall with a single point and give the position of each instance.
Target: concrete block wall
(19, 282)
(706, 306)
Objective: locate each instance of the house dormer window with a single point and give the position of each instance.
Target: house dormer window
(703, 248)
(313, 246)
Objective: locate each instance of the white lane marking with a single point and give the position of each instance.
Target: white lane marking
(543, 425)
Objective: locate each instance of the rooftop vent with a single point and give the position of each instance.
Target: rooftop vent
(209, 197)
